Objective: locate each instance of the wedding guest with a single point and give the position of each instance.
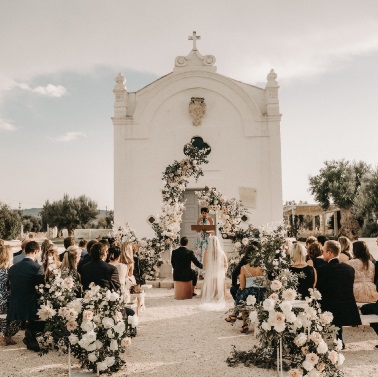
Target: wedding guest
(138, 272)
(70, 261)
(345, 254)
(20, 255)
(83, 246)
(23, 303)
(7, 328)
(127, 257)
(98, 271)
(315, 255)
(236, 272)
(181, 261)
(364, 287)
(310, 240)
(45, 244)
(335, 283)
(51, 261)
(251, 283)
(67, 242)
(87, 257)
(105, 242)
(299, 266)
(202, 240)
(322, 239)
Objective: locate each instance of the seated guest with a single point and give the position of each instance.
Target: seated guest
(298, 258)
(137, 272)
(251, 283)
(335, 283)
(69, 267)
(322, 239)
(7, 328)
(105, 242)
(127, 257)
(345, 254)
(44, 246)
(98, 271)
(310, 240)
(114, 256)
(50, 262)
(23, 303)
(236, 272)
(315, 255)
(364, 288)
(67, 242)
(371, 309)
(87, 257)
(20, 255)
(83, 246)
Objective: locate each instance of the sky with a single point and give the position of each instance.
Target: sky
(59, 60)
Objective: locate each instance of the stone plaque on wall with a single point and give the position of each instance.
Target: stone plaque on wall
(248, 196)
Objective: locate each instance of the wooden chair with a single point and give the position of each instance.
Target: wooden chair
(183, 290)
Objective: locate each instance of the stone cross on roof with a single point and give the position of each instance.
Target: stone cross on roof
(194, 39)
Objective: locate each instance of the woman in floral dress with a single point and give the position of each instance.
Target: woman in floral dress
(7, 329)
(202, 241)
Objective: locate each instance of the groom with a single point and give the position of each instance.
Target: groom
(181, 262)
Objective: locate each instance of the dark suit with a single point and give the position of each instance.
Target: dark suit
(101, 273)
(234, 276)
(181, 262)
(335, 283)
(23, 302)
(371, 309)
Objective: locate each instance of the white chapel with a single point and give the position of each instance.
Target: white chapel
(238, 121)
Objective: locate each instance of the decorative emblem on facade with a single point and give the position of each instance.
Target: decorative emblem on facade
(197, 110)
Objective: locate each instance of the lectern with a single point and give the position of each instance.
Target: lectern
(203, 228)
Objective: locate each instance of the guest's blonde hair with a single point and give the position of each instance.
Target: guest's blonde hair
(298, 253)
(127, 254)
(344, 244)
(6, 257)
(70, 257)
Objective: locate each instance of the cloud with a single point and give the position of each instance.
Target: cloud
(49, 90)
(70, 136)
(6, 126)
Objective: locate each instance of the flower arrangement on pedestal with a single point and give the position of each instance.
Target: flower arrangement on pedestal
(297, 337)
(92, 328)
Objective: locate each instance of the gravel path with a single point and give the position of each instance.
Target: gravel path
(175, 338)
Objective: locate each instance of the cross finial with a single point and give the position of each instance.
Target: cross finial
(194, 38)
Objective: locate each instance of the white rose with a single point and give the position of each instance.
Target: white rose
(113, 345)
(108, 322)
(120, 327)
(237, 245)
(133, 320)
(312, 358)
(92, 357)
(126, 342)
(274, 297)
(109, 360)
(91, 347)
(326, 317)
(114, 296)
(71, 325)
(245, 241)
(298, 323)
(289, 294)
(276, 285)
(286, 306)
(279, 327)
(291, 317)
(339, 344)
(316, 337)
(333, 356)
(251, 300)
(300, 339)
(99, 344)
(117, 316)
(87, 315)
(295, 373)
(73, 339)
(265, 326)
(322, 347)
(253, 316)
(110, 333)
(87, 326)
(102, 366)
(268, 304)
(307, 365)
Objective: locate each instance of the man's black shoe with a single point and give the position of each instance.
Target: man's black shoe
(194, 294)
(30, 341)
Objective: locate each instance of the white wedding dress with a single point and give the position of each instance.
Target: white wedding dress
(215, 266)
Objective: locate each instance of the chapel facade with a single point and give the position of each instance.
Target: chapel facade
(240, 122)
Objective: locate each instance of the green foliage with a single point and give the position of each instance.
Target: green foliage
(106, 222)
(31, 223)
(338, 182)
(10, 222)
(69, 213)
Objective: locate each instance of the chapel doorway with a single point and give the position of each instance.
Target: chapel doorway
(190, 216)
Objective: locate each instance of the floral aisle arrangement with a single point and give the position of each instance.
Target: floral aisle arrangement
(166, 225)
(93, 328)
(304, 334)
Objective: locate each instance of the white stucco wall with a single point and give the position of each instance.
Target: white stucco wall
(152, 126)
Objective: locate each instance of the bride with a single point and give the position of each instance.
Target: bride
(214, 284)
